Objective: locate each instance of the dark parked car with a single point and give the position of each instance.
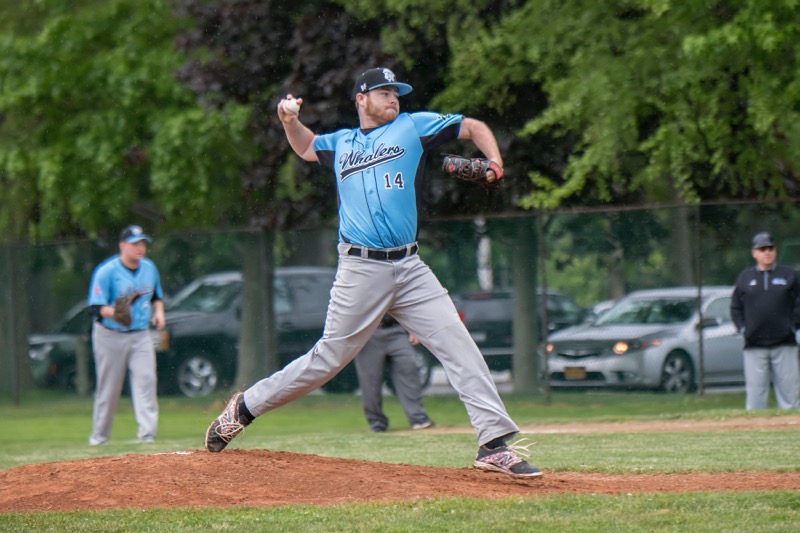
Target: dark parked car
(199, 351)
(204, 320)
(489, 315)
(52, 354)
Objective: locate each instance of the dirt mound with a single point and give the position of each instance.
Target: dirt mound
(262, 478)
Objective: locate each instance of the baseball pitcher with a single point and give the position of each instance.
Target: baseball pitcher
(378, 167)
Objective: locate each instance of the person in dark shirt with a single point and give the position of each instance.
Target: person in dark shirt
(766, 310)
(391, 346)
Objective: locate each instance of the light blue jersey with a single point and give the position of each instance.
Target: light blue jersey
(378, 175)
(111, 279)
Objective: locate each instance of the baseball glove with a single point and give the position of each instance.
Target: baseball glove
(122, 308)
(473, 170)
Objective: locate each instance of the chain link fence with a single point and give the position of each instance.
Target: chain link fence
(582, 262)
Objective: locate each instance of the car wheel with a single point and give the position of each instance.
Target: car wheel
(196, 375)
(67, 378)
(677, 374)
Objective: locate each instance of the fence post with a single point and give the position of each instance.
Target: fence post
(82, 365)
(699, 277)
(544, 334)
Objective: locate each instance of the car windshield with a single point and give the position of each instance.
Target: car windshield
(649, 311)
(78, 321)
(206, 297)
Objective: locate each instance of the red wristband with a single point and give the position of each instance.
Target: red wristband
(498, 172)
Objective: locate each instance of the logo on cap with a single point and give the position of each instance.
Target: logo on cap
(389, 75)
(379, 77)
(133, 234)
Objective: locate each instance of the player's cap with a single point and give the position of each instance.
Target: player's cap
(379, 77)
(760, 240)
(134, 234)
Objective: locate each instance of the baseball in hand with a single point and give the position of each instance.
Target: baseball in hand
(291, 106)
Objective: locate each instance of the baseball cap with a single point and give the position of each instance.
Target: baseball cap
(379, 77)
(760, 240)
(134, 234)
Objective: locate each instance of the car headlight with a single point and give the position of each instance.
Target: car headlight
(40, 352)
(620, 348)
(623, 347)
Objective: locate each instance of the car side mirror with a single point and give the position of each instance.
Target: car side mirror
(708, 322)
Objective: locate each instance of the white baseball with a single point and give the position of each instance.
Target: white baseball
(291, 106)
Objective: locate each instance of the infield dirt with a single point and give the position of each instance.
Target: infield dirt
(261, 478)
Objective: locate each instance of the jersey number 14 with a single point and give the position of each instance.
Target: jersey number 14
(398, 181)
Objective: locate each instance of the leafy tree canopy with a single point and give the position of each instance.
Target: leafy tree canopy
(659, 96)
(96, 131)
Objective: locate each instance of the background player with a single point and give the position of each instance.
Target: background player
(378, 167)
(391, 345)
(119, 348)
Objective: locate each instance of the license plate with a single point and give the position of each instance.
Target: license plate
(574, 372)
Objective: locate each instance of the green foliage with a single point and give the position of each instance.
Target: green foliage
(254, 52)
(195, 157)
(649, 95)
(95, 122)
(595, 102)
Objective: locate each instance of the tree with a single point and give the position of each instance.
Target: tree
(95, 131)
(254, 52)
(662, 96)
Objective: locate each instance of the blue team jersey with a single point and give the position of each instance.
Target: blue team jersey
(378, 175)
(111, 279)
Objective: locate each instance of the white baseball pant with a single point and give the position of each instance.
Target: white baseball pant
(366, 289)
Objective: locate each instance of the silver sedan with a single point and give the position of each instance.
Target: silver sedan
(652, 339)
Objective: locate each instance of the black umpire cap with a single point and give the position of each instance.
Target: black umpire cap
(762, 240)
(379, 77)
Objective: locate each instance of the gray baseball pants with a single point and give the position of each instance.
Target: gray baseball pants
(390, 345)
(114, 354)
(366, 289)
(778, 363)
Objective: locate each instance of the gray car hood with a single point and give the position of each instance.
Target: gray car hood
(588, 332)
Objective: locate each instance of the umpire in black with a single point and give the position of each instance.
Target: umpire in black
(391, 346)
(766, 309)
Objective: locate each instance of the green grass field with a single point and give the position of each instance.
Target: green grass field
(54, 427)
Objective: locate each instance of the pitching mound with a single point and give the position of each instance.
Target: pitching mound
(262, 478)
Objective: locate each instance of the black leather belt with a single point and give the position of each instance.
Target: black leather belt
(383, 255)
